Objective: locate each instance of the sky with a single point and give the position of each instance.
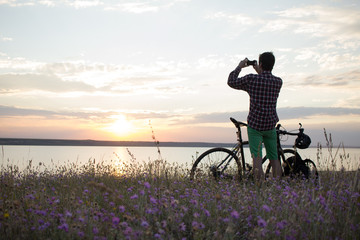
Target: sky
(118, 70)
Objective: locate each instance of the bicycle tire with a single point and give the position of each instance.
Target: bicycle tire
(207, 164)
(313, 172)
(284, 155)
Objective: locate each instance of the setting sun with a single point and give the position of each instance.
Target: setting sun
(121, 126)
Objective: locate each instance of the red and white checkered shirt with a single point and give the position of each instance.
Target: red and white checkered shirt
(263, 90)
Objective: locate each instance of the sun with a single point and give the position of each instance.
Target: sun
(121, 126)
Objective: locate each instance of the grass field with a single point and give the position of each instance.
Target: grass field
(156, 200)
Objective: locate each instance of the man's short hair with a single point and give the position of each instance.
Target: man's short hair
(267, 59)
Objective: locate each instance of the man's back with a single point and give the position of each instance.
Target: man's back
(263, 90)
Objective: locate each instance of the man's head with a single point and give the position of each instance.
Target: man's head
(267, 61)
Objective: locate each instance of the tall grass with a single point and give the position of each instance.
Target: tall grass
(156, 200)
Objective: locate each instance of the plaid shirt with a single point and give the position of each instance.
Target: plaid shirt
(263, 90)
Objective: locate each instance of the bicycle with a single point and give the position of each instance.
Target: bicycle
(218, 162)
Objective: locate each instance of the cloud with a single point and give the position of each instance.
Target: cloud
(337, 25)
(284, 114)
(8, 111)
(98, 117)
(108, 5)
(351, 101)
(241, 19)
(20, 74)
(83, 4)
(134, 7)
(346, 79)
(31, 82)
(8, 64)
(6, 39)
(306, 112)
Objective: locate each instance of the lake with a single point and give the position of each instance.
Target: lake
(51, 156)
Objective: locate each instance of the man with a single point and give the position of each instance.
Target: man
(263, 89)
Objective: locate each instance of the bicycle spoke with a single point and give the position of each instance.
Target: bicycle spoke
(216, 163)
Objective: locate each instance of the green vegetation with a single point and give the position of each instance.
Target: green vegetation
(156, 200)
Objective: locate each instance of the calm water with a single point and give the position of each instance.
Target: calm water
(51, 156)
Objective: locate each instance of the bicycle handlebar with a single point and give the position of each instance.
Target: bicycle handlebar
(280, 132)
(284, 132)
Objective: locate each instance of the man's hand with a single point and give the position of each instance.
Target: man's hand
(243, 63)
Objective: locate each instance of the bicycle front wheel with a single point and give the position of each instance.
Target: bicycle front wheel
(216, 163)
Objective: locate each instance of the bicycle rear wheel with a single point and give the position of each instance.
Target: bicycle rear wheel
(216, 163)
(313, 173)
(286, 157)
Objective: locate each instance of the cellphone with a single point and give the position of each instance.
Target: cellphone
(253, 62)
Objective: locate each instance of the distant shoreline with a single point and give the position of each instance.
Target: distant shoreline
(88, 142)
(99, 143)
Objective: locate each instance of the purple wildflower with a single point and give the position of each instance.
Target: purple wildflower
(280, 225)
(81, 234)
(44, 226)
(153, 200)
(266, 208)
(68, 214)
(115, 221)
(322, 200)
(124, 224)
(249, 220)
(235, 214)
(64, 227)
(30, 196)
(261, 222)
(135, 196)
(163, 223)
(193, 202)
(145, 224)
(41, 212)
(195, 224)
(207, 213)
(226, 220)
(149, 211)
(182, 227)
(121, 208)
(147, 185)
(127, 231)
(95, 230)
(294, 194)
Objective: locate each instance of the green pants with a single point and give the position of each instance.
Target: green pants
(257, 138)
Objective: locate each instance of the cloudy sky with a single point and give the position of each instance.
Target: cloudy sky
(112, 70)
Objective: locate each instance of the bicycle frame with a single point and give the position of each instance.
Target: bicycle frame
(235, 150)
(240, 143)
